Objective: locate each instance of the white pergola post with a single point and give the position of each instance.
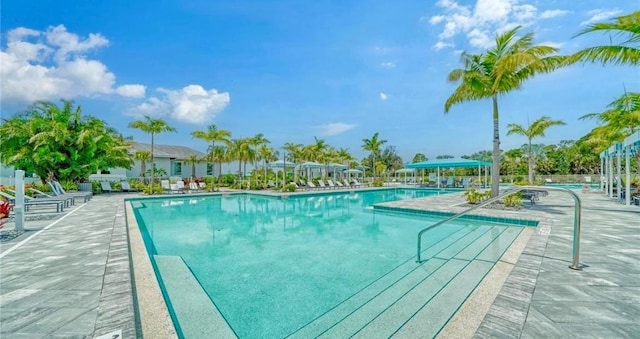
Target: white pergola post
(627, 157)
(601, 173)
(438, 179)
(18, 209)
(610, 176)
(619, 171)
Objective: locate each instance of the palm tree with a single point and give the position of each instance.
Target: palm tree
(212, 135)
(193, 159)
(294, 155)
(153, 127)
(626, 26)
(502, 69)
(535, 129)
(373, 145)
(257, 141)
(267, 155)
(143, 157)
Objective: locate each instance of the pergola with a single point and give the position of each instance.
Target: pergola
(452, 163)
(629, 147)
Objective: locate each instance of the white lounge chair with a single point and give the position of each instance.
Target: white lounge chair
(322, 185)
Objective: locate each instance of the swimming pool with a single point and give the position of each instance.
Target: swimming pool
(278, 267)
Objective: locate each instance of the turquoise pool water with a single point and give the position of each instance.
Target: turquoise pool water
(272, 266)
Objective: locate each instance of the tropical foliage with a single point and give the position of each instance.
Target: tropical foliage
(153, 127)
(60, 142)
(533, 130)
(373, 145)
(500, 70)
(627, 52)
(213, 135)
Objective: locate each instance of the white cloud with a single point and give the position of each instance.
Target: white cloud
(131, 91)
(388, 64)
(334, 128)
(552, 44)
(383, 96)
(51, 64)
(553, 13)
(598, 15)
(440, 45)
(436, 19)
(191, 104)
(480, 21)
(481, 39)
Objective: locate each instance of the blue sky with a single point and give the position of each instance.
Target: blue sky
(337, 70)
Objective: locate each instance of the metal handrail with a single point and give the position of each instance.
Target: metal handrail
(576, 221)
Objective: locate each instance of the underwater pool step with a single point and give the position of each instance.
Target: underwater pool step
(401, 293)
(430, 319)
(427, 278)
(192, 307)
(437, 242)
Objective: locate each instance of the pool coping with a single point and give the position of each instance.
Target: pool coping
(152, 314)
(154, 317)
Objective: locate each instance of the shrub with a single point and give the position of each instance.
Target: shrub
(290, 187)
(69, 185)
(513, 200)
(475, 196)
(378, 183)
(95, 187)
(153, 189)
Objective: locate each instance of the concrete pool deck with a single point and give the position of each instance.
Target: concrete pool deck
(73, 278)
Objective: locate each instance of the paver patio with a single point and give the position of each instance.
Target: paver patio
(73, 278)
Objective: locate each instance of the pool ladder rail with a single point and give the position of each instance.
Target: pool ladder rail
(575, 264)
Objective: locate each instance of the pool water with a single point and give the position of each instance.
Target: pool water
(271, 266)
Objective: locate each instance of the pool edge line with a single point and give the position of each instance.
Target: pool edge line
(149, 304)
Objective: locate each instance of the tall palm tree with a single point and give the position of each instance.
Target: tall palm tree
(212, 135)
(192, 160)
(626, 53)
(502, 69)
(373, 145)
(293, 154)
(533, 130)
(256, 141)
(267, 155)
(143, 157)
(153, 127)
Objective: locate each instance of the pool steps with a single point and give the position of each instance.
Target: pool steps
(424, 294)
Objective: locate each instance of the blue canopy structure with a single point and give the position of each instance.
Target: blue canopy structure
(629, 147)
(450, 163)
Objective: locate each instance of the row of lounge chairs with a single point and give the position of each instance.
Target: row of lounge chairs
(57, 199)
(329, 184)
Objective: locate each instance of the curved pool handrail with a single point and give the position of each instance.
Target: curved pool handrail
(576, 222)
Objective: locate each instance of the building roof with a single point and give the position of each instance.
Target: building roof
(166, 151)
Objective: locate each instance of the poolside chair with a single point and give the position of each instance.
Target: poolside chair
(57, 189)
(322, 185)
(466, 182)
(449, 182)
(548, 181)
(193, 187)
(587, 180)
(59, 204)
(202, 185)
(181, 186)
(166, 186)
(105, 186)
(68, 201)
(310, 185)
(339, 184)
(126, 186)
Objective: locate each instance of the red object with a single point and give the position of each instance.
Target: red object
(5, 208)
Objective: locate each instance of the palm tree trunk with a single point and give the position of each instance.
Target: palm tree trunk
(495, 168)
(531, 162)
(153, 167)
